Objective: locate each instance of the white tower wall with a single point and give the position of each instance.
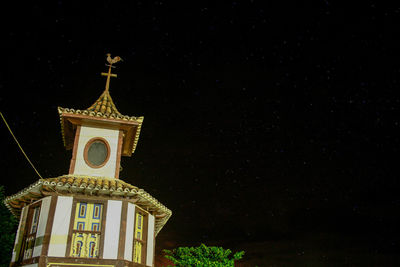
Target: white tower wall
(86, 134)
(150, 241)
(113, 224)
(130, 222)
(59, 232)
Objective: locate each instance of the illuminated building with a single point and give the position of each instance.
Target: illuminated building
(89, 217)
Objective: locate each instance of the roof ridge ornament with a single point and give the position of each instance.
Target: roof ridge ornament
(109, 74)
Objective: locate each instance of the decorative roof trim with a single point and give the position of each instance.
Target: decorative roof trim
(99, 115)
(105, 104)
(92, 186)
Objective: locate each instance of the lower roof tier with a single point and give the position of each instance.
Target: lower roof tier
(90, 186)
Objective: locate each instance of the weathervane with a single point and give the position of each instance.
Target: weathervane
(109, 74)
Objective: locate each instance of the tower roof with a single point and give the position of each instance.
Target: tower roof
(105, 105)
(84, 185)
(104, 112)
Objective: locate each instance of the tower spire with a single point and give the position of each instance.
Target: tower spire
(109, 74)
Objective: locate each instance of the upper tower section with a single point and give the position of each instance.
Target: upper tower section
(100, 134)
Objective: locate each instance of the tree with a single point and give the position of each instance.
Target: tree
(8, 225)
(202, 256)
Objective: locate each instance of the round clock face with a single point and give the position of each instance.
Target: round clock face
(96, 152)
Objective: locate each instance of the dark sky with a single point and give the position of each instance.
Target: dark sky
(270, 128)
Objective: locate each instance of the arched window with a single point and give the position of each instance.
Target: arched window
(78, 248)
(92, 247)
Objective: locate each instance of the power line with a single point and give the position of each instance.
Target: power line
(9, 129)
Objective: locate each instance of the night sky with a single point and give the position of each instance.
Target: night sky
(270, 128)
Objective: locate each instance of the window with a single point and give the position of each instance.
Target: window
(139, 240)
(97, 152)
(86, 231)
(29, 238)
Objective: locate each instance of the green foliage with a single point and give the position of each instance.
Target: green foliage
(202, 256)
(8, 225)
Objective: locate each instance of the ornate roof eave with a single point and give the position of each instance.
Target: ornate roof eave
(92, 186)
(110, 117)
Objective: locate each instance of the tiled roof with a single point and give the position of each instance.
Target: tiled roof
(105, 105)
(103, 108)
(92, 186)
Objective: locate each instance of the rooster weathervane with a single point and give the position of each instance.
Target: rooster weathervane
(109, 74)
